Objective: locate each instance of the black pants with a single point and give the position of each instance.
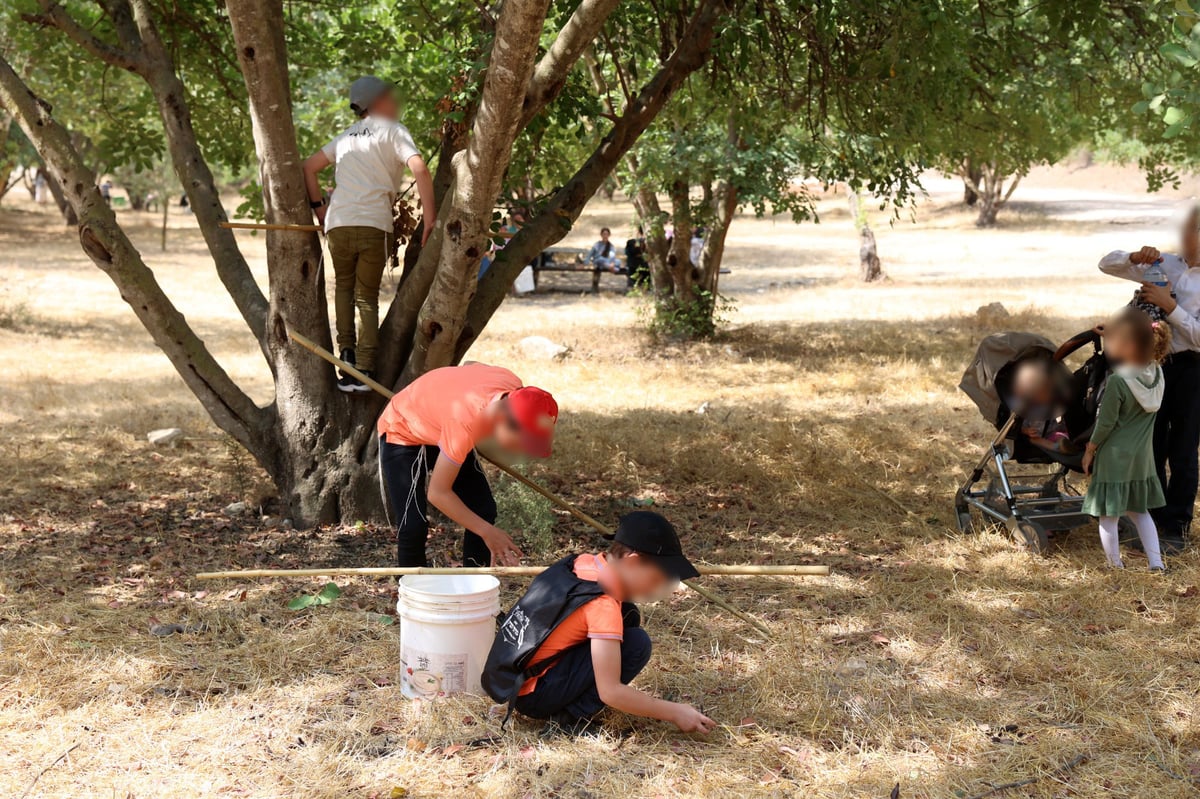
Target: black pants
(1176, 440)
(569, 686)
(404, 472)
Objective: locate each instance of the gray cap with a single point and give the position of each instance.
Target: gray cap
(367, 90)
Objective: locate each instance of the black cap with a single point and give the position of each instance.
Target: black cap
(648, 533)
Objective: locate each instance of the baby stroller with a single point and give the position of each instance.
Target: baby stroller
(996, 495)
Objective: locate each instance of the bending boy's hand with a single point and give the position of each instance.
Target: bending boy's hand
(688, 719)
(504, 551)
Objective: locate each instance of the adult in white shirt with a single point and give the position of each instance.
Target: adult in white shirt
(369, 160)
(1177, 429)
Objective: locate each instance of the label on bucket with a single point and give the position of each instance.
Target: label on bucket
(433, 673)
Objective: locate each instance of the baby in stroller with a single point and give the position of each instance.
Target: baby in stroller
(1037, 397)
(1043, 413)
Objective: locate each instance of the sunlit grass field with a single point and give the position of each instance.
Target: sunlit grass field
(832, 432)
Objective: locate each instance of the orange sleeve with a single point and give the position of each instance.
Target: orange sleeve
(603, 618)
(456, 442)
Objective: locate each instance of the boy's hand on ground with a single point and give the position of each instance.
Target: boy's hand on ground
(1146, 255)
(504, 551)
(688, 719)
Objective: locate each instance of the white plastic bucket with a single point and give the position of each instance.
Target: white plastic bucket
(447, 623)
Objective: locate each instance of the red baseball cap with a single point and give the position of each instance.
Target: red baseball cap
(536, 414)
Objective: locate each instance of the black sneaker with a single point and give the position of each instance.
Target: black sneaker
(346, 382)
(565, 725)
(359, 386)
(1172, 543)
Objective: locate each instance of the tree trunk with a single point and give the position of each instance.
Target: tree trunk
(60, 200)
(971, 176)
(323, 443)
(869, 267)
(987, 182)
(317, 444)
(466, 218)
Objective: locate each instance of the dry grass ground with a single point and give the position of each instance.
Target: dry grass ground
(834, 434)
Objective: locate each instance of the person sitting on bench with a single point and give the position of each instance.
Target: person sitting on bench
(603, 255)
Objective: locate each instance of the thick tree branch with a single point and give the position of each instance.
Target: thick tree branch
(550, 75)
(560, 213)
(479, 172)
(55, 16)
(107, 245)
(143, 53)
(294, 261)
(158, 70)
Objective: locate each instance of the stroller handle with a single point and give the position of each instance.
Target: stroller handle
(1078, 342)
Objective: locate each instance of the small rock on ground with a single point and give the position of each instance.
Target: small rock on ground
(165, 437)
(543, 348)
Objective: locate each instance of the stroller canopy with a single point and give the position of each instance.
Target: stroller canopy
(994, 353)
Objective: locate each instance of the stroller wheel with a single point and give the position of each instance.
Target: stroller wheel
(1028, 535)
(963, 517)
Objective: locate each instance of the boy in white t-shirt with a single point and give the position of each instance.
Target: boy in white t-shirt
(369, 159)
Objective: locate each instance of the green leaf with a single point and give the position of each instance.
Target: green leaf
(1142, 107)
(329, 593)
(1175, 130)
(1178, 53)
(1173, 115)
(301, 602)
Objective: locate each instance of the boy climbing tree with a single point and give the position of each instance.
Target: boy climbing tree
(369, 159)
(573, 643)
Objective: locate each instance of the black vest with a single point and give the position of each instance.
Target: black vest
(552, 596)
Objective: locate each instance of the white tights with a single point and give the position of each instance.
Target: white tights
(1146, 531)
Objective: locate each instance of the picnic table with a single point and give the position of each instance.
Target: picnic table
(568, 259)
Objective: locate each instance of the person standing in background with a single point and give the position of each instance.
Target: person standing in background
(636, 266)
(1177, 427)
(369, 160)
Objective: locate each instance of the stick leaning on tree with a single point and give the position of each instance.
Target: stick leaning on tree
(320, 351)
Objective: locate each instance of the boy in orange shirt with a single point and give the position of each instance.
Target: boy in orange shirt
(428, 432)
(572, 644)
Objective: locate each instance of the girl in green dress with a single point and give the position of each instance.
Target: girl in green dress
(1120, 455)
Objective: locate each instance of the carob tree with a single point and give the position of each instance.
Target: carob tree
(314, 442)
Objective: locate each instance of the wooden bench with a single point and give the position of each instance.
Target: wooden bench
(568, 259)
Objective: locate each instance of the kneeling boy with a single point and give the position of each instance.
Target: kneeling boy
(573, 643)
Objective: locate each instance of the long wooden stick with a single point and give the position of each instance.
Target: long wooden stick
(320, 351)
(270, 226)
(783, 570)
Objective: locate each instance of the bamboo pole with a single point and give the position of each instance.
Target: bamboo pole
(320, 351)
(784, 570)
(270, 226)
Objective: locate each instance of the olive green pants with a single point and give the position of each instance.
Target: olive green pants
(359, 256)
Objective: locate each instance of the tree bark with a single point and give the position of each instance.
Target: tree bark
(325, 437)
(478, 175)
(564, 208)
(141, 51)
(65, 208)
